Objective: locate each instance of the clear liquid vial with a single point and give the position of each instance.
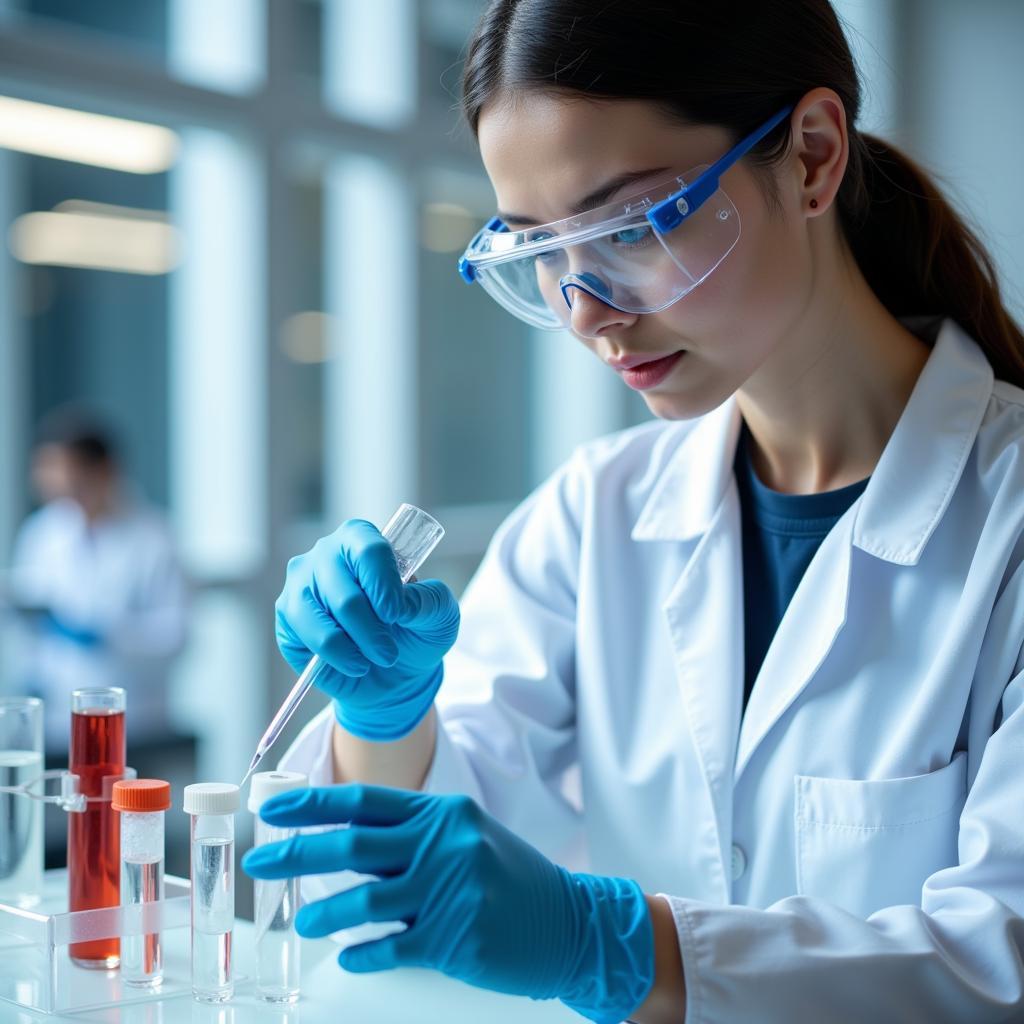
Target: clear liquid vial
(212, 806)
(21, 819)
(276, 901)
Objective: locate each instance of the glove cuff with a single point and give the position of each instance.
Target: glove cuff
(614, 970)
(396, 718)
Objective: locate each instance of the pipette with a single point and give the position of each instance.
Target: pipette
(413, 534)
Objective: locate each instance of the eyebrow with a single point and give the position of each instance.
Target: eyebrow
(596, 198)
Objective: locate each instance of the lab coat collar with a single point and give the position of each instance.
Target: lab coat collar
(929, 447)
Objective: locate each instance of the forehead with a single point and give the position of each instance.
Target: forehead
(48, 451)
(543, 151)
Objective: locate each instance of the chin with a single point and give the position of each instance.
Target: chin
(672, 407)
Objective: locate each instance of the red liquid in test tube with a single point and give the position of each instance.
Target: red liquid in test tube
(94, 856)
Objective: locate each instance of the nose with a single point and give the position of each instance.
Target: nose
(589, 317)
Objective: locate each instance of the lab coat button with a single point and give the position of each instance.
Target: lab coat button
(739, 862)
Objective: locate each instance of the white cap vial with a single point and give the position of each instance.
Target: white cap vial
(264, 785)
(211, 798)
(212, 806)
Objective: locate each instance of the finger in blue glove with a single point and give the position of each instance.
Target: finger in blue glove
(481, 904)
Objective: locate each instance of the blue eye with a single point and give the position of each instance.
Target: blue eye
(546, 257)
(631, 238)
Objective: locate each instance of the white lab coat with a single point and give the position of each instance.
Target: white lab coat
(118, 577)
(850, 848)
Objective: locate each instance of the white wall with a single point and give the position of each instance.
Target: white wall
(963, 116)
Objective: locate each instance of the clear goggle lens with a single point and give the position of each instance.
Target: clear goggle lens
(612, 253)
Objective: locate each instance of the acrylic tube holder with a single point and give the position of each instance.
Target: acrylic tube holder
(38, 973)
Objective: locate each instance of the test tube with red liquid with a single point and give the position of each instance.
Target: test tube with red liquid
(97, 757)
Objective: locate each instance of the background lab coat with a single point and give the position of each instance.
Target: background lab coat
(854, 845)
(117, 577)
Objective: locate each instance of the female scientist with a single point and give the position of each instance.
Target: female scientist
(755, 666)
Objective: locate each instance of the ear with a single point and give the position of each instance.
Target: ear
(820, 149)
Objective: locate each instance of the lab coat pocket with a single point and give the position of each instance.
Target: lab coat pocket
(868, 844)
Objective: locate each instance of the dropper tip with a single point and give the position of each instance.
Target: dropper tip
(245, 778)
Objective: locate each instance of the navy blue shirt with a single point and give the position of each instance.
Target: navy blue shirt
(781, 533)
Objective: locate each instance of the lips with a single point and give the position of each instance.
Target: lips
(643, 375)
(631, 362)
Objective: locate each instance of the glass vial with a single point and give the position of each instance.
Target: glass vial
(97, 757)
(21, 819)
(141, 804)
(412, 534)
(212, 806)
(276, 901)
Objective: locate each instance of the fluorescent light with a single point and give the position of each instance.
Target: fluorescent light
(86, 138)
(97, 236)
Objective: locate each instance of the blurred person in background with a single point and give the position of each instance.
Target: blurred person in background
(95, 590)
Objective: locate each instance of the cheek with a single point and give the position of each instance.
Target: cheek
(752, 294)
(735, 317)
(775, 264)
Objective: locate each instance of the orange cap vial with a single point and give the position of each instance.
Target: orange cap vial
(141, 795)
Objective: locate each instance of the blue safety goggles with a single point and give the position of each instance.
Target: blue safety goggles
(638, 255)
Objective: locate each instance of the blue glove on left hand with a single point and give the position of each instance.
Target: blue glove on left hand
(56, 626)
(482, 905)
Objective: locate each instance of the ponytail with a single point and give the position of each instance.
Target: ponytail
(917, 253)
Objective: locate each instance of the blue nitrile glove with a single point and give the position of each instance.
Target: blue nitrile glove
(482, 905)
(381, 641)
(56, 626)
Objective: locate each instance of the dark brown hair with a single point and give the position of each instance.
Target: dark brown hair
(734, 63)
(79, 431)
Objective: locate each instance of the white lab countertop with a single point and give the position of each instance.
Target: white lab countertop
(329, 994)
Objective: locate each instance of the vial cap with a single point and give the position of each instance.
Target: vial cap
(211, 798)
(264, 785)
(141, 795)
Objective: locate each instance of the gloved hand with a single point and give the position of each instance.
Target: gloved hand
(53, 624)
(482, 905)
(381, 642)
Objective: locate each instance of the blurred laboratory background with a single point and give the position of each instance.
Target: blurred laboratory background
(230, 234)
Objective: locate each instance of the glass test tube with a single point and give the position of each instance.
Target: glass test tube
(21, 819)
(212, 806)
(142, 803)
(97, 757)
(276, 901)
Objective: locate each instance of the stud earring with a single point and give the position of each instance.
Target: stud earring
(814, 204)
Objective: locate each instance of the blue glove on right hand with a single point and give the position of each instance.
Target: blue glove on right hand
(482, 904)
(381, 642)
